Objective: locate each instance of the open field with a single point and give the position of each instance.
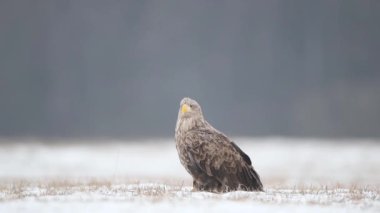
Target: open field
(298, 174)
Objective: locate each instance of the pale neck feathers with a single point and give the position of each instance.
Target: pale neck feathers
(186, 124)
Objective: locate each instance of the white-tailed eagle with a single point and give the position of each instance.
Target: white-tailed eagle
(215, 162)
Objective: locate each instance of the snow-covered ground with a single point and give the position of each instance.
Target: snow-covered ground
(115, 176)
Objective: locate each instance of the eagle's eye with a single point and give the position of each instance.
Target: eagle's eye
(191, 105)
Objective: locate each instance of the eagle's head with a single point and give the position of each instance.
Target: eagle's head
(189, 115)
(189, 108)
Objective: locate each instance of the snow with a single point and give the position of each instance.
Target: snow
(163, 198)
(299, 175)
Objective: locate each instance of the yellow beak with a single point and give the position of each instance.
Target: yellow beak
(185, 108)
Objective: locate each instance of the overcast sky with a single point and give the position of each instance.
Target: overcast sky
(258, 68)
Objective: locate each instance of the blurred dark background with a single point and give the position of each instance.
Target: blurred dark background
(120, 68)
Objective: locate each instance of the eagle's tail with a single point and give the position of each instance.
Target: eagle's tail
(251, 180)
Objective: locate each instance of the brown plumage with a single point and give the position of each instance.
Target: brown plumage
(215, 162)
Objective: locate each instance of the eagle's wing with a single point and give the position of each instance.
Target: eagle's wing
(214, 154)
